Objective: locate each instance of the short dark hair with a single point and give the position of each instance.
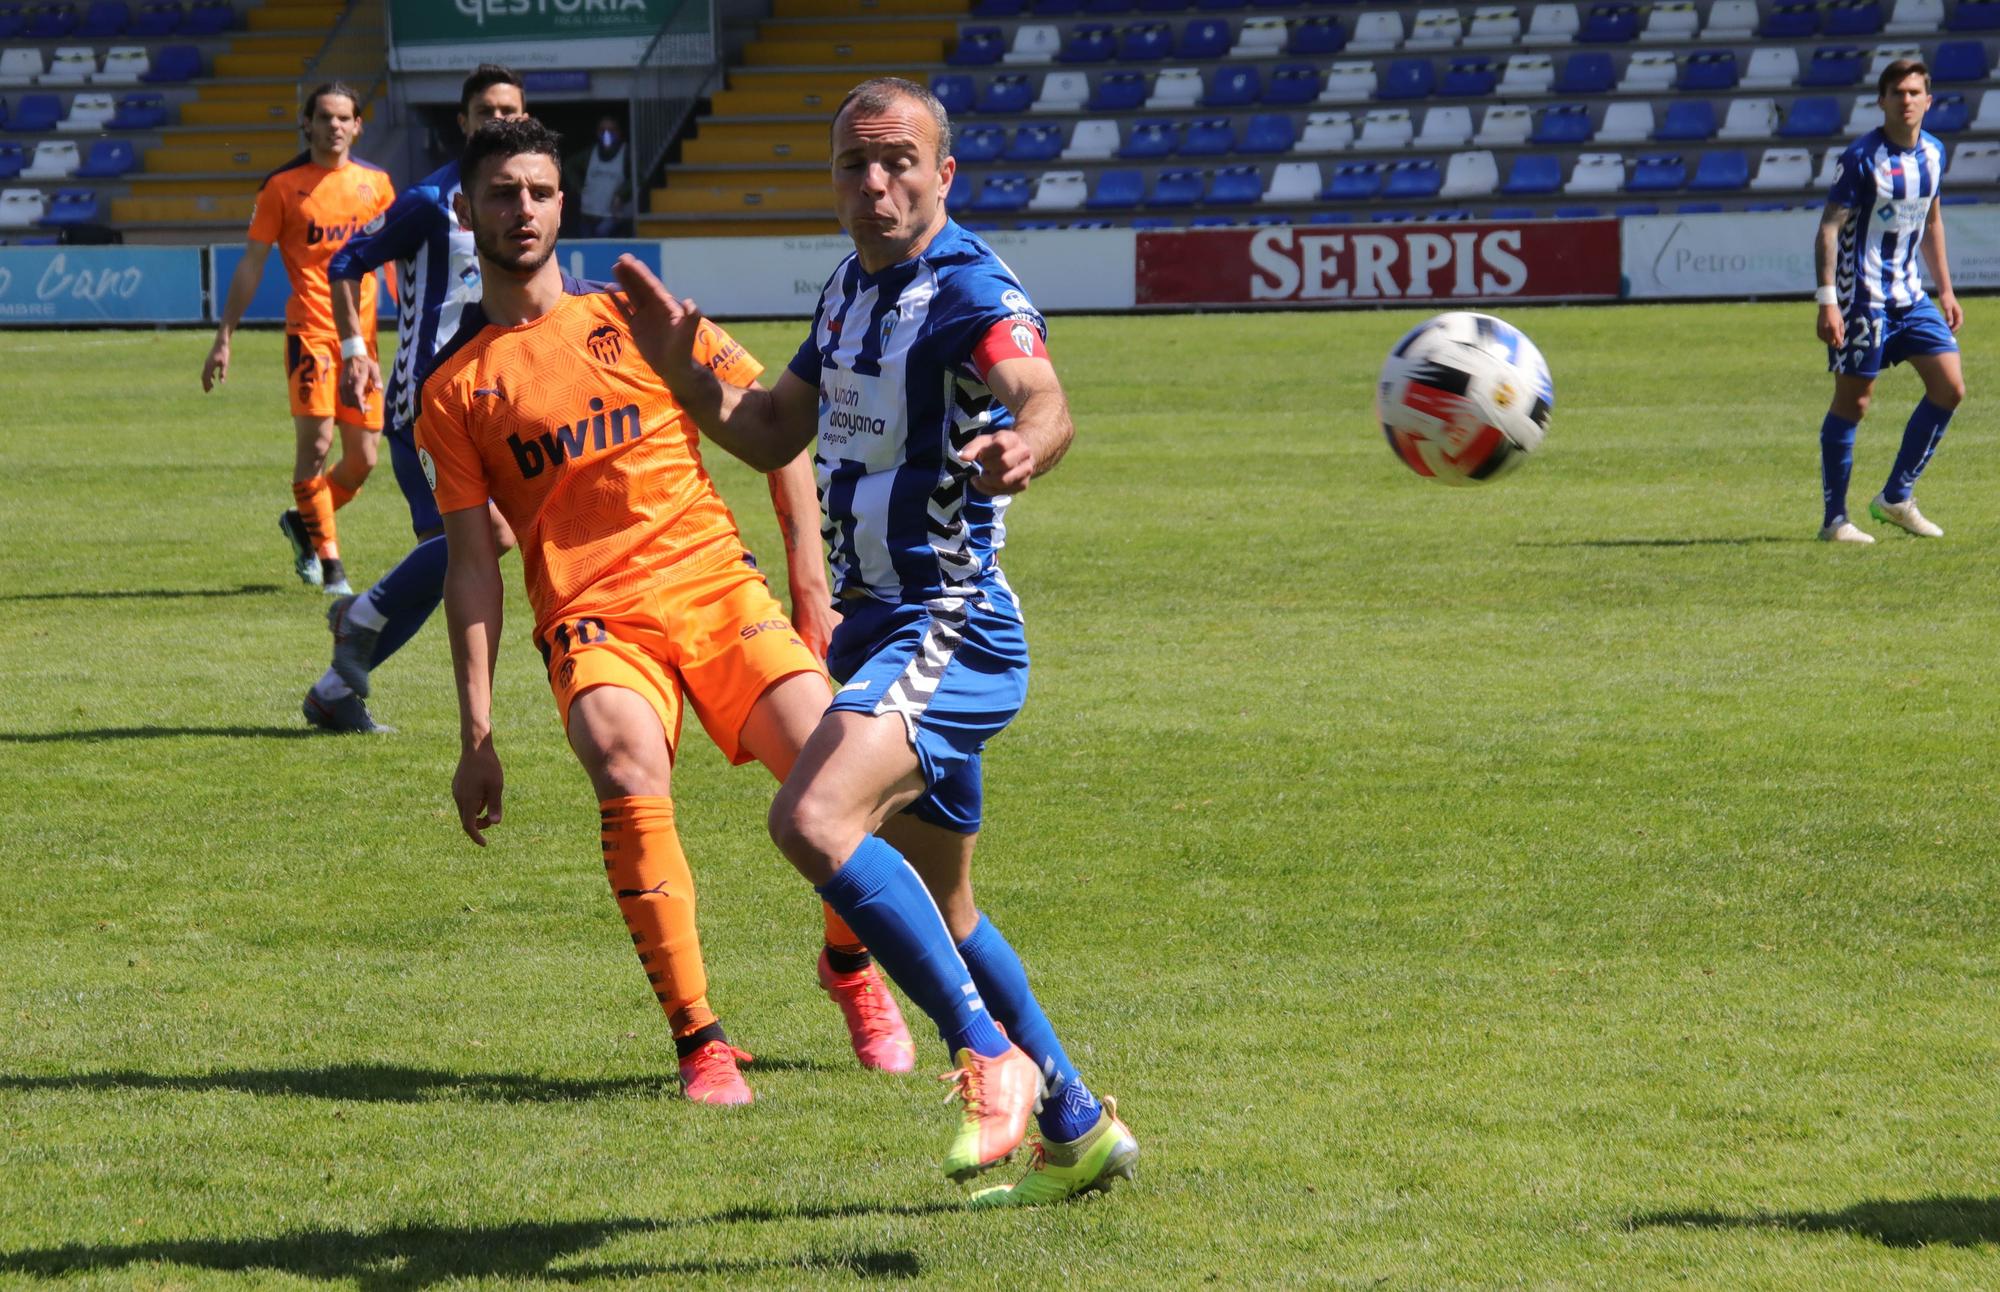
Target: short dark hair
(507, 137)
(483, 78)
(876, 95)
(320, 91)
(1896, 71)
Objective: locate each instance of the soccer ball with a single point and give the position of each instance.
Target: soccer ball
(1464, 397)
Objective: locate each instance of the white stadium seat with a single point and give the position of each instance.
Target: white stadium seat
(1034, 42)
(88, 113)
(1386, 129)
(1783, 170)
(1376, 33)
(1975, 163)
(1293, 182)
(1597, 173)
(1987, 120)
(1626, 123)
(53, 159)
(123, 65)
(21, 208)
(1527, 74)
(1448, 127)
(1651, 72)
(1750, 119)
(1326, 132)
(1671, 21)
(1916, 18)
(1349, 82)
(1062, 92)
(1059, 190)
(1175, 87)
(72, 65)
(1863, 115)
(1505, 125)
(1887, 54)
(21, 65)
(1552, 24)
(1828, 164)
(1259, 38)
(1473, 174)
(1494, 26)
(1435, 29)
(1731, 20)
(1093, 140)
(1773, 68)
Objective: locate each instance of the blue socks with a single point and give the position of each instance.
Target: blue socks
(1069, 1110)
(407, 595)
(1836, 464)
(884, 902)
(1920, 440)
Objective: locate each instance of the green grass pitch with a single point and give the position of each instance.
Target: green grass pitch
(1586, 881)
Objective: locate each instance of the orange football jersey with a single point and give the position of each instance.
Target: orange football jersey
(309, 212)
(572, 434)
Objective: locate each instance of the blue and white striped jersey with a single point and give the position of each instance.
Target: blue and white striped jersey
(437, 276)
(1888, 193)
(900, 392)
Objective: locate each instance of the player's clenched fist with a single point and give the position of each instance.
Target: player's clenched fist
(1832, 328)
(1006, 463)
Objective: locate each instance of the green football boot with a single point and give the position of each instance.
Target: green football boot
(1061, 1170)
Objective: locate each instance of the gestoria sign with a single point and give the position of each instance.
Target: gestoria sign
(1320, 265)
(428, 35)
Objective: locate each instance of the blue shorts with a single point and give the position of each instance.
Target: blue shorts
(1884, 338)
(955, 670)
(410, 476)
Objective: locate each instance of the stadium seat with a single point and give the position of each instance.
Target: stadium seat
(1208, 137)
(1883, 55)
(1635, 210)
(1699, 208)
(1470, 174)
(1118, 92)
(1469, 76)
(35, 114)
(1294, 183)
(71, 65)
(1034, 144)
(1094, 139)
(1828, 164)
(1413, 180)
(52, 22)
(1175, 87)
(208, 18)
(1234, 186)
(1386, 130)
(1233, 87)
(1811, 117)
(12, 158)
(1176, 188)
(1532, 175)
(21, 65)
(1670, 22)
(1090, 42)
(1062, 92)
(1117, 190)
(1552, 24)
(1852, 18)
(1832, 65)
(1435, 29)
(21, 208)
(1330, 217)
(88, 113)
(1976, 163)
(52, 159)
(1212, 222)
(1586, 72)
(1152, 222)
(1562, 124)
(1259, 38)
(954, 91)
(1915, 18)
(1708, 72)
(1292, 84)
(1146, 42)
(1783, 169)
(1959, 60)
(1449, 127)
(1611, 23)
(1317, 36)
(1773, 68)
(1267, 132)
(1034, 42)
(1949, 114)
(1000, 193)
(1527, 74)
(1987, 121)
(1498, 27)
(1721, 172)
(1058, 190)
(1330, 132)
(1658, 173)
(1626, 123)
(1863, 114)
(1007, 94)
(1649, 72)
(1688, 121)
(1202, 39)
(139, 112)
(1505, 125)
(1149, 141)
(973, 145)
(156, 19)
(105, 20)
(1349, 82)
(977, 47)
(1974, 15)
(174, 64)
(123, 65)
(1790, 20)
(1733, 20)
(72, 206)
(1353, 182)
(1751, 119)
(1596, 173)
(1376, 32)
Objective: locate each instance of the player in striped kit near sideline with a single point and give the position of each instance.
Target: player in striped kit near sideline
(1873, 311)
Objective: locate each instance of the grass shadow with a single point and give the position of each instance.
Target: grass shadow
(1746, 541)
(422, 1256)
(1914, 1222)
(99, 735)
(146, 594)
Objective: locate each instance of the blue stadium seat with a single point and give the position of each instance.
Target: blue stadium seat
(999, 8)
(1054, 8)
(1792, 20)
(108, 159)
(3, 114)
(1211, 222)
(1219, 6)
(958, 199)
(1949, 114)
(1959, 60)
(1413, 179)
(1208, 137)
(1145, 42)
(105, 19)
(11, 21)
(1578, 213)
(977, 47)
(1353, 182)
(1091, 224)
(1852, 18)
(1657, 173)
(1562, 123)
(155, 19)
(1001, 193)
(1812, 117)
(1118, 92)
(1590, 72)
(35, 114)
(1107, 6)
(1454, 216)
(1473, 76)
(1233, 87)
(12, 158)
(1149, 140)
(1632, 210)
(1532, 174)
(1708, 71)
(1392, 217)
(1117, 190)
(1330, 217)
(1767, 206)
(1511, 213)
(1273, 132)
(1235, 186)
(1268, 219)
(1176, 188)
(1162, 6)
(1974, 15)
(1408, 78)
(1699, 208)
(1089, 42)
(1038, 224)
(1608, 24)
(51, 22)
(1005, 95)
(1833, 65)
(72, 206)
(1691, 120)
(1719, 172)
(954, 90)
(1292, 84)
(1153, 222)
(1318, 36)
(208, 18)
(974, 145)
(173, 64)
(1035, 144)
(1203, 38)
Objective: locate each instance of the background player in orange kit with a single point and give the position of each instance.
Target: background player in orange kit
(644, 597)
(308, 208)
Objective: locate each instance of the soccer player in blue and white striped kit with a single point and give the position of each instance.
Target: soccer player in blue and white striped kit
(1872, 308)
(926, 387)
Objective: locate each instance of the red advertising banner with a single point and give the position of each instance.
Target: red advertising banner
(1376, 264)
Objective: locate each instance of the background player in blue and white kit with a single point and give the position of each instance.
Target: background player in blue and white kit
(1873, 312)
(927, 387)
(439, 273)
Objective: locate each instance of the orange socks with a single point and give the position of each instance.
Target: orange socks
(315, 500)
(342, 495)
(838, 936)
(650, 878)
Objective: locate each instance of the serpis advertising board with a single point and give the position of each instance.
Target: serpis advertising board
(100, 285)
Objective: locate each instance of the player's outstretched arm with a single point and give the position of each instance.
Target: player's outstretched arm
(1940, 267)
(766, 429)
(473, 598)
(795, 499)
(242, 290)
(1042, 430)
(1831, 327)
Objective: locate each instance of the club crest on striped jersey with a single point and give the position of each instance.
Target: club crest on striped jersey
(605, 342)
(888, 326)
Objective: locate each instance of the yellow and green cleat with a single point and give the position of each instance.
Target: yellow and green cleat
(1061, 1170)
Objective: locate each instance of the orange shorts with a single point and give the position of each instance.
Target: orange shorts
(312, 376)
(715, 637)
